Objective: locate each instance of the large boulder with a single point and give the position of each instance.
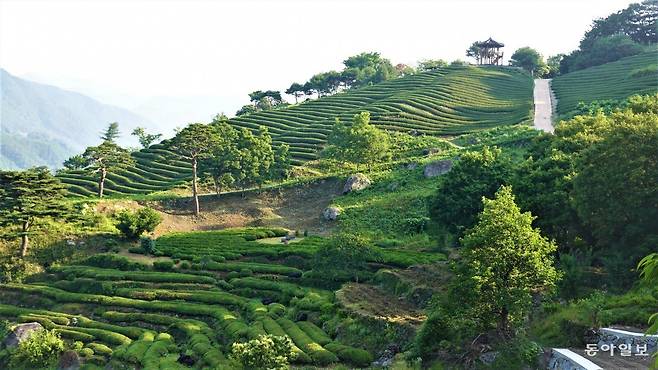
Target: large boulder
(437, 168)
(356, 182)
(331, 213)
(21, 333)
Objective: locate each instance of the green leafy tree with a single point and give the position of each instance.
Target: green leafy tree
(265, 352)
(648, 268)
(77, 162)
(530, 60)
(26, 199)
(111, 133)
(475, 51)
(614, 190)
(553, 65)
(255, 157)
(40, 350)
(133, 224)
(637, 21)
(194, 143)
(281, 167)
(505, 262)
(431, 64)
(360, 143)
(145, 139)
(224, 160)
(296, 90)
(368, 68)
(458, 199)
(345, 255)
(105, 158)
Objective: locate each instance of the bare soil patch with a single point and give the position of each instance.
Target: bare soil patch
(373, 302)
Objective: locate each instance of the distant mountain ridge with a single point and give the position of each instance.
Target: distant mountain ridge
(43, 125)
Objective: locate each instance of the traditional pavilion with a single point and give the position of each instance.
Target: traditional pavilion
(490, 53)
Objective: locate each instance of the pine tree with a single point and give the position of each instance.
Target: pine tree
(28, 197)
(105, 158)
(111, 133)
(194, 143)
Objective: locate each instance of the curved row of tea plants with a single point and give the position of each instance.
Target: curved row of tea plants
(220, 287)
(617, 80)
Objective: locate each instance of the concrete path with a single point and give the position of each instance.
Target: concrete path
(543, 105)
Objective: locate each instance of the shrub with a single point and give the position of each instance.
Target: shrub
(163, 265)
(133, 224)
(5, 328)
(147, 244)
(356, 356)
(265, 352)
(345, 254)
(15, 269)
(112, 261)
(41, 349)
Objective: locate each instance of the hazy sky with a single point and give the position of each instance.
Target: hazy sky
(224, 49)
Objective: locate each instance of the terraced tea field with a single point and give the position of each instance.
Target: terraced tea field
(155, 169)
(219, 287)
(447, 101)
(617, 80)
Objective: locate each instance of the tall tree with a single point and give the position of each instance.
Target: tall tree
(431, 64)
(28, 197)
(360, 143)
(530, 60)
(224, 159)
(145, 139)
(477, 174)
(280, 169)
(296, 90)
(105, 158)
(194, 143)
(504, 263)
(475, 51)
(111, 133)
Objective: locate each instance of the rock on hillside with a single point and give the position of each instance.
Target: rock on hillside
(356, 182)
(20, 333)
(437, 168)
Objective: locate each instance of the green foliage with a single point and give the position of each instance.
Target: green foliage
(111, 133)
(133, 224)
(145, 139)
(112, 261)
(530, 60)
(613, 80)
(345, 254)
(504, 263)
(27, 199)
(163, 265)
(265, 352)
(459, 197)
(105, 158)
(41, 349)
(615, 36)
(360, 142)
(615, 182)
(16, 269)
(431, 64)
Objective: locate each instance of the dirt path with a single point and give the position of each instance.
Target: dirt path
(543, 105)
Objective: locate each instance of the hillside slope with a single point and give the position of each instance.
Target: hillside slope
(447, 101)
(617, 80)
(44, 125)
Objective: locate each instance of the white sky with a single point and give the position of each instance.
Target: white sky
(225, 49)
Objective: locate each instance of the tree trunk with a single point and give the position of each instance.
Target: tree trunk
(218, 189)
(101, 182)
(24, 239)
(296, 99)
(503, 323)
(195, 194)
